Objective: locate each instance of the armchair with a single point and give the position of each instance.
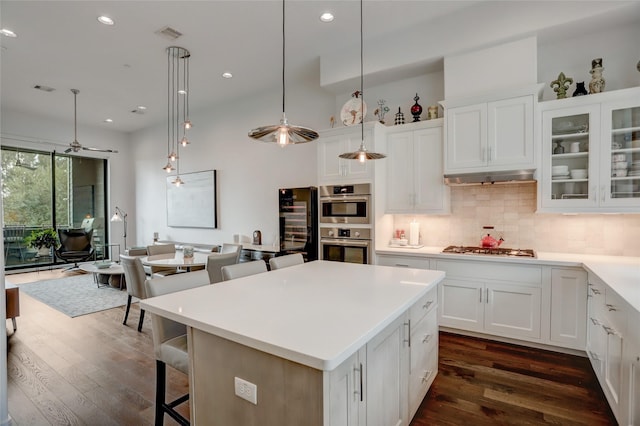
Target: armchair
(75, 246)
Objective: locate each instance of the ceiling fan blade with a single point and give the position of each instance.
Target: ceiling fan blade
(68, 150)
(86, 148)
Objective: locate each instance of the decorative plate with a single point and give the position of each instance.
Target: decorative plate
(354, 110)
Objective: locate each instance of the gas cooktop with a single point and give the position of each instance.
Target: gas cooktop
(499, 251)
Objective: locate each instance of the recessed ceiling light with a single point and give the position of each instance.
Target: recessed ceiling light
(326, 17)
(108, 120)
(8, 33)
(141, 107)
(182, 92)
(105, 20)
(227, 75)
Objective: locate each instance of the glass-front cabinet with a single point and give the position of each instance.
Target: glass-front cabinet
(591, 153)
(621, 136)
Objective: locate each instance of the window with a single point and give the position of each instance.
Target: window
(43, 190)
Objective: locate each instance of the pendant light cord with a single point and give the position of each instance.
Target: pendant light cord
(361, 78)
(75, 116)
(283, 50)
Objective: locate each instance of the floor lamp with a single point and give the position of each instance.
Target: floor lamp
(121, 216)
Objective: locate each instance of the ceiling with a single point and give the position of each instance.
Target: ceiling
(61, 44)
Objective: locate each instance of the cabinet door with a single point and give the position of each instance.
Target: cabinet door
(613, 367)
(387, 376)
(620, 159)
(330, 167)
(400, 180)
(633, 378)
(431, 195)
(344, 393)
(510, 132)
(466, 145)
(563, 131)
(569, 307)
(513, 310)
(460, 304)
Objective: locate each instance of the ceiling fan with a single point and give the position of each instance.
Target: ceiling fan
(20, 163)
(75, 146)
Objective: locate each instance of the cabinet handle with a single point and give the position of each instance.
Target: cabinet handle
(594, 191)
(490, 154)
(361, 387)
(594, 321)
(408, 339)
(487, 298)
(595, 290)
(426, 305)
(611, 308)
(480, 295)
(603, 193)
(402, 265)
(594, 356)
(358, 371)
(426, 338)
(610, 330)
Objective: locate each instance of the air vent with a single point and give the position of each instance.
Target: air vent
(169, 33)
(44, 88)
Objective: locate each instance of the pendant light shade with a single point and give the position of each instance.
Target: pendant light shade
(283, 133)
(362, 154)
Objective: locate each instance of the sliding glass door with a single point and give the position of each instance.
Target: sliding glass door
(44, 192)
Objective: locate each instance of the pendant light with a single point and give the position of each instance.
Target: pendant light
(177, 107)
(283, 133)
(362, 154)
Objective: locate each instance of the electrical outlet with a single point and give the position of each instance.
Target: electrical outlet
(246, 390)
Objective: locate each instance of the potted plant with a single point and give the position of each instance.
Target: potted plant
(43, 240)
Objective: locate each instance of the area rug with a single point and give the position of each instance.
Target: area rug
(76, 295)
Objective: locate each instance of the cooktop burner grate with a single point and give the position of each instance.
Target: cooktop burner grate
(499, 251)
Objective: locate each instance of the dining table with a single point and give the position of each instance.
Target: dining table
(176, 260)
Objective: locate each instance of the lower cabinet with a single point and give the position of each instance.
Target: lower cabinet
(613, 347)
(568, 326)
(385, 381)
(504, 300)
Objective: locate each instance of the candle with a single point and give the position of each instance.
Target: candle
(414, 233)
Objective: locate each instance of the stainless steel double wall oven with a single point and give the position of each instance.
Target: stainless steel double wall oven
(341, 206)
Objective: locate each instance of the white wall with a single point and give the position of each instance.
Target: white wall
(46, 134)
(249, 172)
(618, 48)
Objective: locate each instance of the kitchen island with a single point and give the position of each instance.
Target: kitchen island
(325, 342)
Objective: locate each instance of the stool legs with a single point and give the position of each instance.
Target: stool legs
(126, 312)
(162, 406)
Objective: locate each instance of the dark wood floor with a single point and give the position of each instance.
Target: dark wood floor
(93, 370)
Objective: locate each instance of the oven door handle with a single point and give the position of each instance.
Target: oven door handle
(345, 199)
(352, 243)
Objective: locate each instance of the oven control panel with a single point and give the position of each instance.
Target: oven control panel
(346, 233)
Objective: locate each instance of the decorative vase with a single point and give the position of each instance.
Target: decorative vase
(399, 117)
(580, 89)
(432, 112)
(559, 149)
(416, 109)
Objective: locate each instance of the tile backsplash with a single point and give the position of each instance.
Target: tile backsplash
(511, 210)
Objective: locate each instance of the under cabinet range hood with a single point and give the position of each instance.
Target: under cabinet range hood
(490, 178)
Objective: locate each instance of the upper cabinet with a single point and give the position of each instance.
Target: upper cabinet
(490, 134)
(414, 169)
(333, 142)
(591, 153)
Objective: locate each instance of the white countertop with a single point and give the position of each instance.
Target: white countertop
(621, 273)
(317, 314)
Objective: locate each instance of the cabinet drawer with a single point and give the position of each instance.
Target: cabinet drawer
(423, 306)
(404, 261)
(421, 379)
(615, 315)
(491, 271)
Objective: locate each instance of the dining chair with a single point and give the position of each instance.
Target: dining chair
(216, 261)
(232, 248)
(170, 340)
(238, 270)
(279, 262)
(134, 277)
(156, 249)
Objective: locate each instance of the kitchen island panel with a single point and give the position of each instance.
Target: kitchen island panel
(288, 393)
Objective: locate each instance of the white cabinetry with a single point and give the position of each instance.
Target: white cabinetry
(613, 349)
(333, 142)
(404, 261)
(493, 134)
(600, 134)
(414, 169)
(568, 307)
(504, 300)
(385, 381)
